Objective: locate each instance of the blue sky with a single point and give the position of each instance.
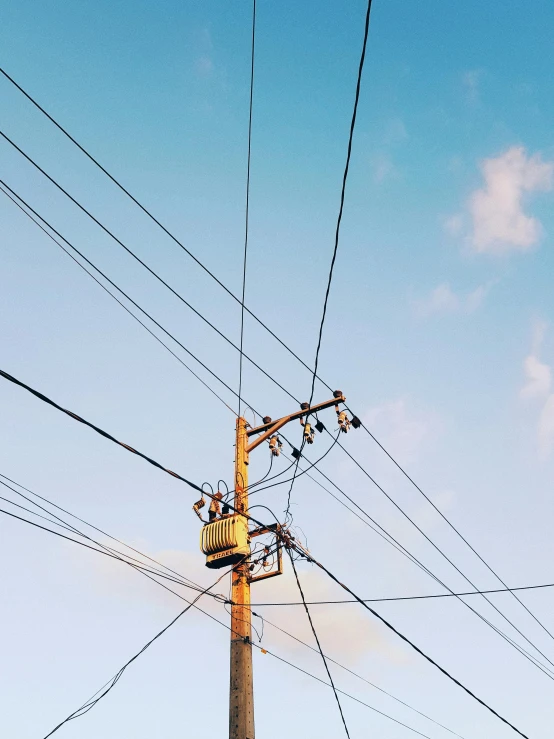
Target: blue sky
(438, 332)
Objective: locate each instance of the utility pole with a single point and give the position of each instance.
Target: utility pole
(241, 693)
(225, 539)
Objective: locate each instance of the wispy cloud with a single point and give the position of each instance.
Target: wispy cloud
(470, 83)
(538, 387)
(443, 299)
(499, 223)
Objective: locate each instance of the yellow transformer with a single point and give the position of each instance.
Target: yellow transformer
(225, 541)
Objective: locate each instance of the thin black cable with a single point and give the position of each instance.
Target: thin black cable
(98, 430)
(88, 705)
(221, 284)
(300, 552)
(99, 271)
(96, 528)
(143, 263)
(407, 597)
(446, 557)
(314, 632)
(296, 476)
(342, 195)
(247, 208)
(429, 659)
(360, 677)
(390, 539)
(297, 466)
(179, 477)
(140, 568)
(460, 535)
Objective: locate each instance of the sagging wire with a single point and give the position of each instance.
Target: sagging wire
(105, 689)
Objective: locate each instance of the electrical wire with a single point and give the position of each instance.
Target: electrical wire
(122, 292)
(204, 365)
(408, 597)
(360, 677)
(301, 553)
(451, 525)
(42, 397)
(143, 263)
(446, 557)
(105, 689)
(295, 477)
(231, 294)
(314, 632)
(218, 598)
(98, 430)
(247, 208)
(410, 643)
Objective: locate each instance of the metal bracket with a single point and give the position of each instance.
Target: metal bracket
(267, 429)
(272, 528)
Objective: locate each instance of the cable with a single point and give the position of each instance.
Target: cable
(399, 508)
(231, 409)
(247, 193)
(179, 477)
(228, 291)
(347, 669)
(407, 597)
(105, 689)
(337, 234)
(193, 603)
(311, 559)
(42, 397)
(4, 185)
(90, 525)
(461, 536)
(342, 195)
(296, 476)
(314, 632)
(301, 552)
(143, 263)
(390, 539)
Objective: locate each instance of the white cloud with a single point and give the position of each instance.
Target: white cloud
(538, 375)
(443, 299)
(398, 427)
(538, 386)
(470, 81)
(546, 428)
(453, 225)
(499, 222)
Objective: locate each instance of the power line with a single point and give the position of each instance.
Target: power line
(300, 551)
(360, 677)
(247, 208)
(143, 263)
(342, 195)
(106, 550)
(446, 557)
(199, 589)
(231, 294)
(105, 689)
(314, 632)
(408, 597)
(35, 221)
(404, 638)
(460, 535)
(98, 430)
(179, 477)
(217, 330)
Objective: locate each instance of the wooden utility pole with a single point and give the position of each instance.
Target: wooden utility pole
(241, 694)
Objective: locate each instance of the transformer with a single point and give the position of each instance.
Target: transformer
(225, 542)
